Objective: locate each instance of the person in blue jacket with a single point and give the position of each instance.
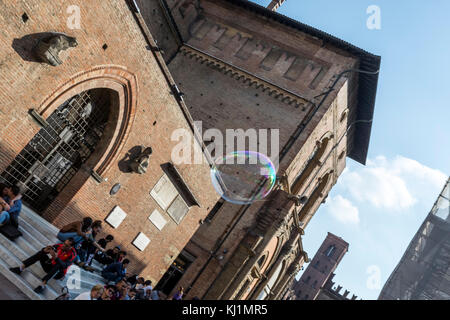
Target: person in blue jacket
(115, 271)
(10, 206)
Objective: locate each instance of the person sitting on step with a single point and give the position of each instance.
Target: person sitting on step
(115, 271)
(89, 246)
(10, 206)
(100, 255)
(55, 260)
(77, 230)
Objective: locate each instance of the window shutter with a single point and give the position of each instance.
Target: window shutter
(164, 192)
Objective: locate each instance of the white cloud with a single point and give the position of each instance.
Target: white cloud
(343, 210)
(392, 184)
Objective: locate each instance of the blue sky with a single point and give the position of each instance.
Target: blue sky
(377, 208)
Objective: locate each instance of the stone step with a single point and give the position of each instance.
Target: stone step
(19, 255)
(85, 280)
(40, 224)
(39, 220)
(23, 224)
(27, 275)
(19, 282)
(27, 229)
(38, 233)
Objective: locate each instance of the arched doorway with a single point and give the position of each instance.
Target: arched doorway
(78, 131)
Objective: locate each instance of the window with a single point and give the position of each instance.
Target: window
(330, 250)
(316, 265)
(315, 195)
(306, 297)
(312, 162)
(314, 284)
(307, 279)
(343, 115)
(261, 261)
(168, 198)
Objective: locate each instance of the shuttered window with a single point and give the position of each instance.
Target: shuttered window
(168, 198)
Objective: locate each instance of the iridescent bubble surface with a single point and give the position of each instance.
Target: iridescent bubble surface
(242, 177)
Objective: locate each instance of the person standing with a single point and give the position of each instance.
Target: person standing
(179, 294)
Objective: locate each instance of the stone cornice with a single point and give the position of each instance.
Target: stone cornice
(245, 77)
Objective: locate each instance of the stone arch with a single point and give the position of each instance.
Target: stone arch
(115, 78)
(344, 115)
(315, 195)
(86, 123)
(262, 259)
(313, 162)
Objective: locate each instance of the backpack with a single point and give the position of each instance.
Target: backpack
(10, 232)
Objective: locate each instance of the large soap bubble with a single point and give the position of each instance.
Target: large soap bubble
(242, 177)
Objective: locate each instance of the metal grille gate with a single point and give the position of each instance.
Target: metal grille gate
(55, 154)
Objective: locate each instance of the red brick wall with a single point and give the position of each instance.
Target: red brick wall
(26, 84)
(272, 52)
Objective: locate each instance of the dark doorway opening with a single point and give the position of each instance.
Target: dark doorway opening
(57, 152)
(173, 275)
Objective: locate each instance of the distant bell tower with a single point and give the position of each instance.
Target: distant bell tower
(321, 267)
(275, 4)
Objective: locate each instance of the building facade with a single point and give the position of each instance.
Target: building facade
(73, 121)
(321, 269)
(243, 66)
(329, 292)
(423, 272)
(138, 71)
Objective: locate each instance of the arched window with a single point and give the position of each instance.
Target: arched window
(312, 162)
(343, 115)
(57, 152)
(261, 261)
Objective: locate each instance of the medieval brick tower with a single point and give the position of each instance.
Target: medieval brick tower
(321, 267)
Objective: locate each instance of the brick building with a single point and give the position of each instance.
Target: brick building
(239, 66)
(321, 269)
(67, 132)
(244, 66)
(329, 292)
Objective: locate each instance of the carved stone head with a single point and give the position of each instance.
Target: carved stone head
(48, 48)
